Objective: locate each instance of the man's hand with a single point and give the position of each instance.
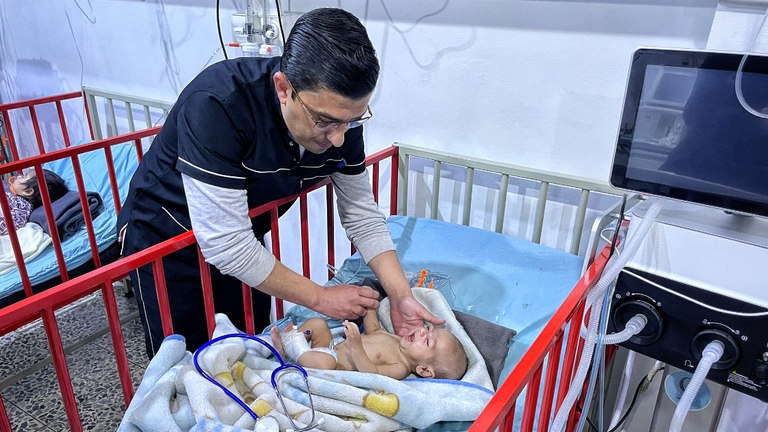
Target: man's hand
(407, 313)
(346, 301)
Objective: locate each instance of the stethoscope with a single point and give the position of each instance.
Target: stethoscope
(266, 423)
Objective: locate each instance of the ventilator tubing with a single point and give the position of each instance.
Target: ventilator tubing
(595, 305)
(711, 354)
(634, 326)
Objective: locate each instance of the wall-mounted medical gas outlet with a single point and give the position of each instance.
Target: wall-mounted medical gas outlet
(688, 318)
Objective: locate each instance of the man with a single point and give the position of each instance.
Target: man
(243, 133)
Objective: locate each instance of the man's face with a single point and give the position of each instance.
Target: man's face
(320, 106)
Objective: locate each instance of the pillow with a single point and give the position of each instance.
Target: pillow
(492, 340)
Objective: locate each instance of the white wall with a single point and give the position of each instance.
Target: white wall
(534, 83)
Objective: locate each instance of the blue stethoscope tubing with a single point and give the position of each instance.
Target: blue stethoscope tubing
(283, 367)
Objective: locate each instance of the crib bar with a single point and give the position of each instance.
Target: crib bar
(54, 233)
(570, 356)
(11, 140)
(402, 196)
(112, 178)
(112, 118)
(63, 124)
(540, 207)
(522, 374)
(304, 236)
(205, 280)
(36, 125)
(276, 252)
(468, 187)
(248, 309)
(531, 397)
(5, 423)
(139, 149)
(435, 189)
(550, 384)
(330, 225)
(578, 225)
(94, 116)
(113, 317)
(376, 182)
(62, 372)
(162, 297)
(147, 116)
(508, 422)
(129, 116)
(393, 187)
(86, 212)
(15, 245)
(501, 210)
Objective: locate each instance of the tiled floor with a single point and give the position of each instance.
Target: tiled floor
(28, 383)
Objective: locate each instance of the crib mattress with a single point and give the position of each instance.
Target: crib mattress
(77, 249)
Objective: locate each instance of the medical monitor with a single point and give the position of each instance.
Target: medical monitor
(685, 135)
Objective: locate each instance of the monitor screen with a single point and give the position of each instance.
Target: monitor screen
(685, 135)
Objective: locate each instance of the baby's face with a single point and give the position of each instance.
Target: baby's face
(425, 343)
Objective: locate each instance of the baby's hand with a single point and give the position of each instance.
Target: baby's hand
(352, 332)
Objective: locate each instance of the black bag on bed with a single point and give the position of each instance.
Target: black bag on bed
(67, 213)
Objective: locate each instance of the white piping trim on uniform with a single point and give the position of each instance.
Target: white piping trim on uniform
(310, 178)
(357, 164)
(264, 172)
(323, 165)
(144, 306)
(174, 219)
(211, 172)
(121, 238)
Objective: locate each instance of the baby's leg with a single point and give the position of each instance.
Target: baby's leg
(294, 343)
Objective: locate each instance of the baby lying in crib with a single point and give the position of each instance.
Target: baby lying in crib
(428, 351)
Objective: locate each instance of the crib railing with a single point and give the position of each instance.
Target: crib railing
(153, 111)
(44, 304)
(72, 153)
(504, 172)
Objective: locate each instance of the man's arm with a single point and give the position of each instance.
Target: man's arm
(223, 230)
(366, 228)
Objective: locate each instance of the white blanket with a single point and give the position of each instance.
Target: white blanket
(32, 240)
(173, 396)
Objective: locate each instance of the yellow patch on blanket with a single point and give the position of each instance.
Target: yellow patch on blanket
(261, 407)
(386, 404)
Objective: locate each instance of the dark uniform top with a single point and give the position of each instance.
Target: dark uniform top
(226, 129)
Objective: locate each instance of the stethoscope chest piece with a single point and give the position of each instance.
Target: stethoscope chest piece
(267, 424)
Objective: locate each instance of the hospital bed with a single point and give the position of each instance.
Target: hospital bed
(83, 164)
(499, 279)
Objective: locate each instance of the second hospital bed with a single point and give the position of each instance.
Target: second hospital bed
(513, 282)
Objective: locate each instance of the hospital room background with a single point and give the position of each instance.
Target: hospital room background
(536, 84)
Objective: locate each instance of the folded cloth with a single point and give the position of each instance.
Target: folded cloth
(68, 214)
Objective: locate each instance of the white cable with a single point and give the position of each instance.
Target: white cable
(611, 271)
(624, 389)
(697, 302)
(740, 72)
(711, 354)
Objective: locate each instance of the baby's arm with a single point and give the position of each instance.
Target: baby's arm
(360, 358)
(371, 322)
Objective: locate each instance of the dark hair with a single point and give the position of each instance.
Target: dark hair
(329, 49)
(57, 188)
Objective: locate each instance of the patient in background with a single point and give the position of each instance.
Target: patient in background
(23, 195)
(427, 351)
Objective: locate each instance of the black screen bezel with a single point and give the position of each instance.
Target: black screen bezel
(642, 58)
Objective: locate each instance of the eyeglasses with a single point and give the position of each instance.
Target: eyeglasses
(325, 126)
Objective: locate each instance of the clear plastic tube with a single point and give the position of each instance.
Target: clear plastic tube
(711, 354)
(624, 385)
(740, 72)
(634, 326)
(611, 272)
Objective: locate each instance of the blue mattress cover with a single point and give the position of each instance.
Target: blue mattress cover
(77, 249)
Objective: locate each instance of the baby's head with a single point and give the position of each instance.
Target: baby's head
(434, 353)
(26, 186)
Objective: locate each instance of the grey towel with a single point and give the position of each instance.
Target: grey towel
(68, 214)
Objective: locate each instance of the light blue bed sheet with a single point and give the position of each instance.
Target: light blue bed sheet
(77, 249)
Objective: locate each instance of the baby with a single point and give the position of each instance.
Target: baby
(427, 351)
(23, 195)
